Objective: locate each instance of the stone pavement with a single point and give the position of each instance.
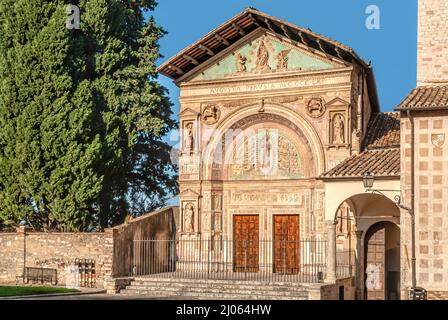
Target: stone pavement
(103, 296)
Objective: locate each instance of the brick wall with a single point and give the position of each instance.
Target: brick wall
(432, 41)
(431, 201)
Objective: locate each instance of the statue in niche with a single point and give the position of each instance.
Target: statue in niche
(217, 202)
(282, 59)
(211, 114)
(189, 139)
(338, 129)
(189, 218)
(262, 62)
(240, 62)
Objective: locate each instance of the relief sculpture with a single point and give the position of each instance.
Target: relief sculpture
(240, 63)
(210, 114)
(282, 59)
(262, 61)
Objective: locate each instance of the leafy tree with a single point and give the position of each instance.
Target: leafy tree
(82, 117)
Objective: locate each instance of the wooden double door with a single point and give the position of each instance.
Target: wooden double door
(285, 245)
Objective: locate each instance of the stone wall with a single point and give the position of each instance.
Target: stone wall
(11, 256)
(159, 225)
(54, 250)
(438, 295)
(331, 291)
(432, 41)
(112, 250)
(431, 200)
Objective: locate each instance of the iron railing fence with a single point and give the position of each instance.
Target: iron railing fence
(264, 260)
(345, 263)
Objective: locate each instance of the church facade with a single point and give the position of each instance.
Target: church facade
(279, 125)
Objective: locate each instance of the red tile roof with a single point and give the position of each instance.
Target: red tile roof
(383, 131)
(380, 162)
(381, 155)
(424, 98)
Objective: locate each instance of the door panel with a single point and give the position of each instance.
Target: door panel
(375, 265)
(286, 244)
(246, 245)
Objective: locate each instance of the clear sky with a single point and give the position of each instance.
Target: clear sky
(392, 49)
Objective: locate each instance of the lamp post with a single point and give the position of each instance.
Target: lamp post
(368, 180)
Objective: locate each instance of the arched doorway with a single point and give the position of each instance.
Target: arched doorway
(382, 262)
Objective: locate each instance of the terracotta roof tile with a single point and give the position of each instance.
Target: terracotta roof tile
(383, 131)
(379, 162)
(430, 97)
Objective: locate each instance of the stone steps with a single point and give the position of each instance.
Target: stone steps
(218, 286)
(216, 289)
(211, 295)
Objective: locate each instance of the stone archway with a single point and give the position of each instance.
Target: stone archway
(370, 210)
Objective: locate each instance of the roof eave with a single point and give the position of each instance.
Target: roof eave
(348, 55)
(349, 178)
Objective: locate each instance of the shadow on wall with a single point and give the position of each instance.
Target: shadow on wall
(158, 225)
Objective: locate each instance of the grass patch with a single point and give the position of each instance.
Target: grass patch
(9, 291)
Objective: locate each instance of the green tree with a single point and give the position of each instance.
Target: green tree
(82, 117)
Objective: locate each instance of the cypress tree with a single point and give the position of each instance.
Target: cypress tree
(82, 117)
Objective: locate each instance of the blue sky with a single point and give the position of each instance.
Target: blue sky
(392, 49)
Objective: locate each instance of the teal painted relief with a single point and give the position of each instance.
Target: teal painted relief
(263, 55)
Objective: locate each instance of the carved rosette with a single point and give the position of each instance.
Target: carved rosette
(210, 114)
(315, 107)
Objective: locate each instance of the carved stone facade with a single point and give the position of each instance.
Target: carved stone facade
(266, 117)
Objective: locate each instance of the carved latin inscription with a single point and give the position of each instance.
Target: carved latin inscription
(263, 198)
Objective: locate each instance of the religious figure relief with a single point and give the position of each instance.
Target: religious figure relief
(338, 129)
(189, 218)
(266, 155)
(262, 61)
(282, 59)
(240, 62)
(210, 114)
(189, 137)
(217, 221)
(289, 159)
(315, 108)
(217, 205)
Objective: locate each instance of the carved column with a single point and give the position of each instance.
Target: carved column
(359, 265)
(331, 252)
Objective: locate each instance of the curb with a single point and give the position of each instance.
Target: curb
(54, 295)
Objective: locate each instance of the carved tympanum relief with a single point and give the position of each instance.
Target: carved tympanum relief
(266, 154)
(263, 55)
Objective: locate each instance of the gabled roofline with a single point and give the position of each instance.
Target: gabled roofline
(249, 20)
(237, 27)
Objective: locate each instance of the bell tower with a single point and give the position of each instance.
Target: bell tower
(432, 42)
